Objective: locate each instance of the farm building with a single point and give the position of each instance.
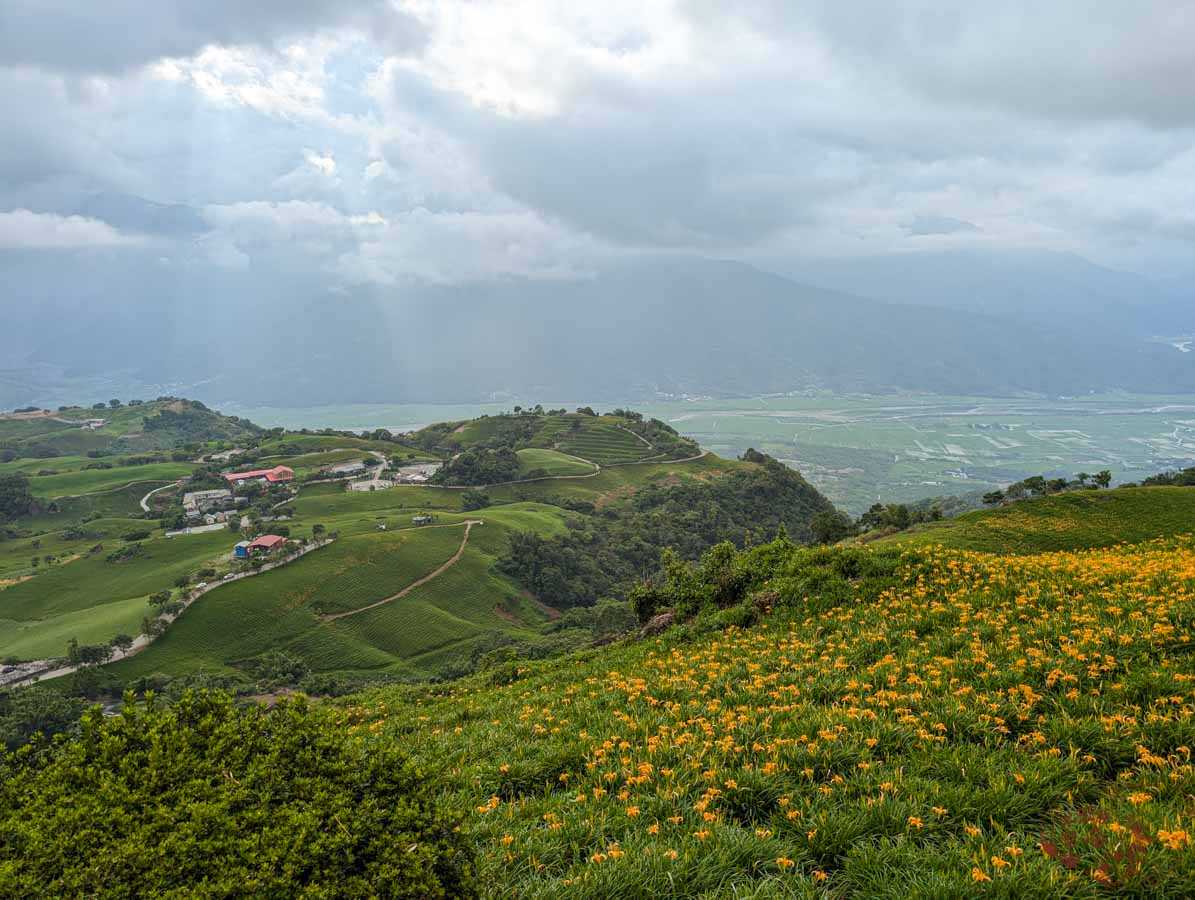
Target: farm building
(271, 476)
(421, 520)
(196, 503)
(241, 550)
(267, 543)
(352, 467)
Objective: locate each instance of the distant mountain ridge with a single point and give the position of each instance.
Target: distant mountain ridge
(675, 326)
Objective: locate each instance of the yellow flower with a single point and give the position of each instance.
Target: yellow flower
(914, 822)
(977, 874)
(1000, 863)
(784, 862)
(671, 854)
(653, 828)
(701, 835)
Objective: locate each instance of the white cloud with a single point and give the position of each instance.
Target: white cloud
(21, 229)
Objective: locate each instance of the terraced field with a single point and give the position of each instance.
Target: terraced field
(603, 443)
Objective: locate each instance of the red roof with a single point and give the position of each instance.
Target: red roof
(278, 473)
(267, 542)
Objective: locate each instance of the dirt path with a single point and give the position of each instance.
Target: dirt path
(440, 570)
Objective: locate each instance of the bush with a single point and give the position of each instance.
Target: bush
(202, 798)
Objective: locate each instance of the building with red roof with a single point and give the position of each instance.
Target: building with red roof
(272, 476)
(267, 543)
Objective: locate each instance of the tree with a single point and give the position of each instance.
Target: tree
(114, 403)
(474, 499)
(1103, 478)
(830, 526)
(16, 500)
(121, 642)
(993, 498)
(1083, 478)
(317, 531)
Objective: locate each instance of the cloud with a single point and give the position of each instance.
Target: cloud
(923, 225)
(117, 35)
(21, 229)
(536, 138)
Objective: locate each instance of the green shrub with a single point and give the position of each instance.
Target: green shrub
(203, 799)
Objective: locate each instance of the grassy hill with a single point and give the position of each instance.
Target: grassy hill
(1070, 521)
(880, 721)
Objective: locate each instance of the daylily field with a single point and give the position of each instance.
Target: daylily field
(850, 722)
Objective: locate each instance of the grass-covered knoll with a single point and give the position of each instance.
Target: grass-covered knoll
(202, 799)
(898, 723)
(550, 462)
(1065, 521)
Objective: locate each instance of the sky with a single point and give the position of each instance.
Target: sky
(385, 143)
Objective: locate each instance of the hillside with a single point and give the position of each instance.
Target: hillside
(1071, 521)
(899, 719)
(842, 722)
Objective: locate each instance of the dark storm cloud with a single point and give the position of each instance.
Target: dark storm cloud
(117, 35)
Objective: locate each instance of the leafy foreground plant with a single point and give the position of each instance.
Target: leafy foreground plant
(203, 799)
(933, 723)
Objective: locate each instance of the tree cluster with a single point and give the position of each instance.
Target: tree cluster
(478, 466)
(605, 553)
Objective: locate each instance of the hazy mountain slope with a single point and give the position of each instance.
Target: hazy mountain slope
(678, 326)
(1042, 287)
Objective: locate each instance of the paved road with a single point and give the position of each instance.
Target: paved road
(145, 499)
(422, 581)
(141, 641)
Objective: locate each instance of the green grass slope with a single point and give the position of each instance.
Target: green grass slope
(1064, 522)
(552, 462)
(924, 723)
(280, 610)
